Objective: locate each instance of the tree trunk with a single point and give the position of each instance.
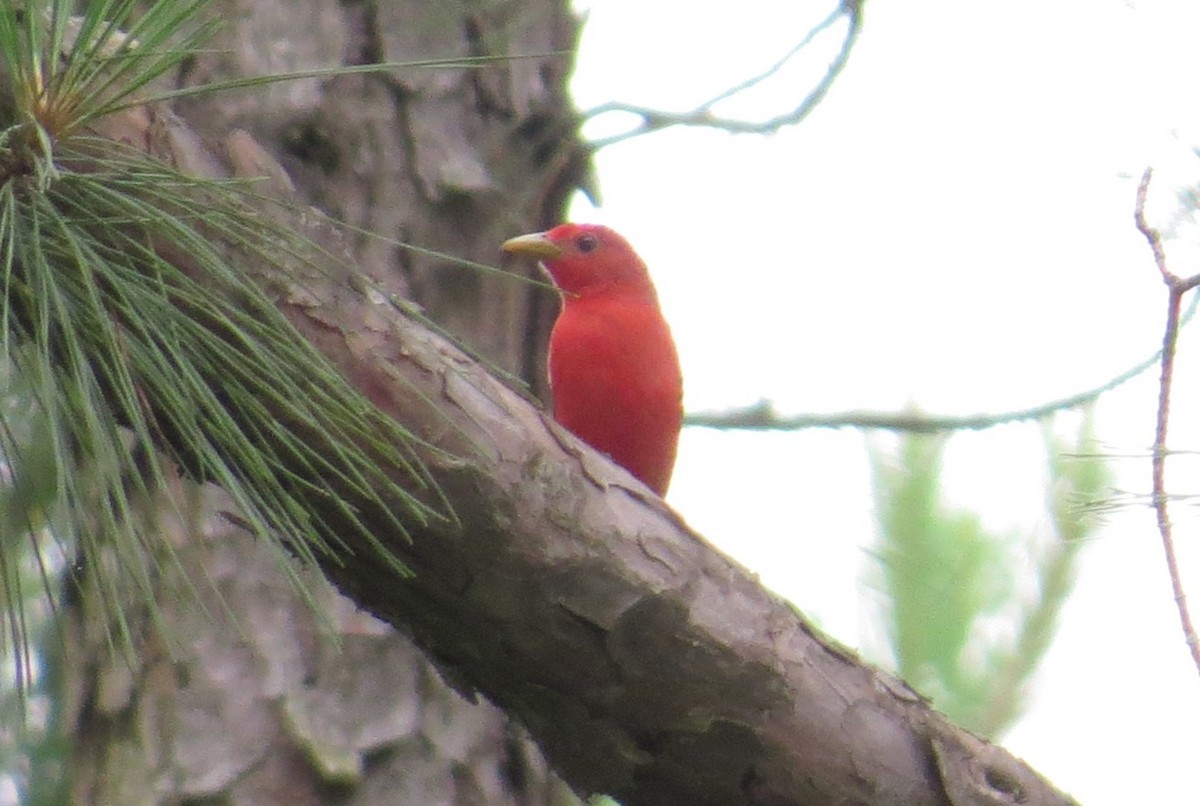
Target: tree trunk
(447, 161)
(252, 694)
(255, 704)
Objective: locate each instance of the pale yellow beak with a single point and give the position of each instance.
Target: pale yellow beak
(535, 245)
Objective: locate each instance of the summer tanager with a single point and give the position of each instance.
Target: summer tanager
(614, 373)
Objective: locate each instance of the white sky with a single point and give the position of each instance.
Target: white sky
(952, 227)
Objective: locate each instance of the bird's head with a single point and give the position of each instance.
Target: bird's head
(585, 259)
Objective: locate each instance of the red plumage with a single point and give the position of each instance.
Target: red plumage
(614, 372)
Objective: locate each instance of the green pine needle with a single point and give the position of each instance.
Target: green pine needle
(112, 349)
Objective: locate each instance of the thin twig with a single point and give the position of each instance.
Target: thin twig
(653, 120)
(1176, 288)
(762, 415)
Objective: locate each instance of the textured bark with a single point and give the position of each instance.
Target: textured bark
(645, 663)
(255, 705)
(248, 696)
(449, 161)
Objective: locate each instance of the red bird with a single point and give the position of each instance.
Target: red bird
(614, 372)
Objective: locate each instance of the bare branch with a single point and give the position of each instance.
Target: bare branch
(762, 415)
(653, 120)
(1176, 288)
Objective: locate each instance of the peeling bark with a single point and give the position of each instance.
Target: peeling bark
(253, 695)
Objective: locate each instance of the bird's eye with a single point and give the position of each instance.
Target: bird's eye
(586, 243)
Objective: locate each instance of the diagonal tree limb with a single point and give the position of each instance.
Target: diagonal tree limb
(645, 663)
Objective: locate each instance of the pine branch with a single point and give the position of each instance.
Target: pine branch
(646, 664)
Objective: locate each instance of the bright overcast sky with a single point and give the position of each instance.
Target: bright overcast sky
(953, 228)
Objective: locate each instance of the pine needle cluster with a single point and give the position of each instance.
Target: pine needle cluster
(133, 348)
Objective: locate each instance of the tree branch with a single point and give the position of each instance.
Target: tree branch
(1176, 288)
(653, 120)
(762, 415)
(645, 663)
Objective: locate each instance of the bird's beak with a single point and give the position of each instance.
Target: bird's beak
(535, 245)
